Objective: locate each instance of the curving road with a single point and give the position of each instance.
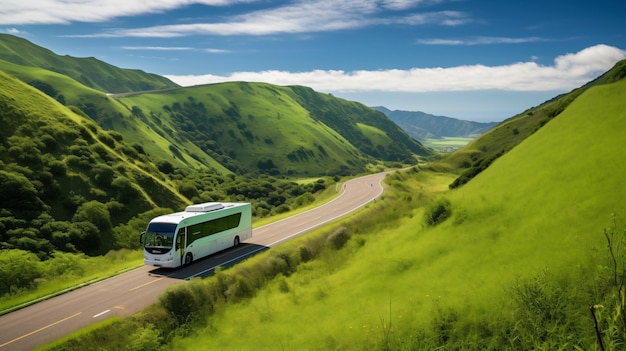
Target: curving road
(128, 293)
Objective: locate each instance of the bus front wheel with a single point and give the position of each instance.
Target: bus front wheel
(188, 259)
(236, 243)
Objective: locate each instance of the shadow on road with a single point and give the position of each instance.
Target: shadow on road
(206, 266)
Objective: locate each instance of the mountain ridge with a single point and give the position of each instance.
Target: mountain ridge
(421, 125)
(89, 71)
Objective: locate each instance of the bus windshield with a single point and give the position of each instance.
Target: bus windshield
(160, 235)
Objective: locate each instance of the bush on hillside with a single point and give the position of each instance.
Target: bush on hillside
(19, 270)
(181, 304)
(338, 238)
(438, 212)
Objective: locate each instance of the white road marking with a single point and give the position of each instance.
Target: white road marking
(101, 313)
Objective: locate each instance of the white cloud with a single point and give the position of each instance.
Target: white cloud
(569, 71)
(175, 48)
(158, 48)
(405, 4)
(304, 18)
(67, 11)
(297, 16)
(480, 41)
(444, 18)
(13, 31)
(216, 51)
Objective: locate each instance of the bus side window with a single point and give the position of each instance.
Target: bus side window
(180, 237)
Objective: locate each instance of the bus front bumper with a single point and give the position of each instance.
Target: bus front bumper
(160, 262)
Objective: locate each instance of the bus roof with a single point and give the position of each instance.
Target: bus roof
(195, 210)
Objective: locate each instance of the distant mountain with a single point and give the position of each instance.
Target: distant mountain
(422, 126)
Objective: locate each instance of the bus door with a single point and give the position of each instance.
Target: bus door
(181, 243)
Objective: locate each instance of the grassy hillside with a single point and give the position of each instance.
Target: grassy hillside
(88, 71)
(327, 109)
(56, 164)
(512, 260)
(263, 128)
(232, 127)
(109, 114)
(249, 127)
(479, 154)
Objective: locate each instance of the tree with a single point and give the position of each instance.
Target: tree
(18, 193)
(165, 167)
(103, 174)
(126, 192)
(97, 214)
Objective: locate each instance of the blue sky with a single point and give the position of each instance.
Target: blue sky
(476, 60)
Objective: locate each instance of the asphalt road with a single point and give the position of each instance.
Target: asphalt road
(128, 293)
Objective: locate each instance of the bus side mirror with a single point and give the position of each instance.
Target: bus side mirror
(141, 237)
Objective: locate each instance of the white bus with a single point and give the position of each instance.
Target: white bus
(179, 238)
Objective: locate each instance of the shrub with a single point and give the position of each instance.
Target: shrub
(438, 212)
(179, 303)
(305, 253)
(188, 189)
(165, 167)
(126, 192)
(106, 139)
(282, 209)
(145, 339)
(57, 168)
(239, 290)
(303, 200)
(18, 270)
(338, 238)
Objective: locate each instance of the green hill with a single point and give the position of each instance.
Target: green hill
(246, 128)
(257, 127)
(481, 152)
(56, 164)
(109, 114)
(514, 259)
(89, 71)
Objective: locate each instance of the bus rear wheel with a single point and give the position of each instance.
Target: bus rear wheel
(188, 258)
(236, 243)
